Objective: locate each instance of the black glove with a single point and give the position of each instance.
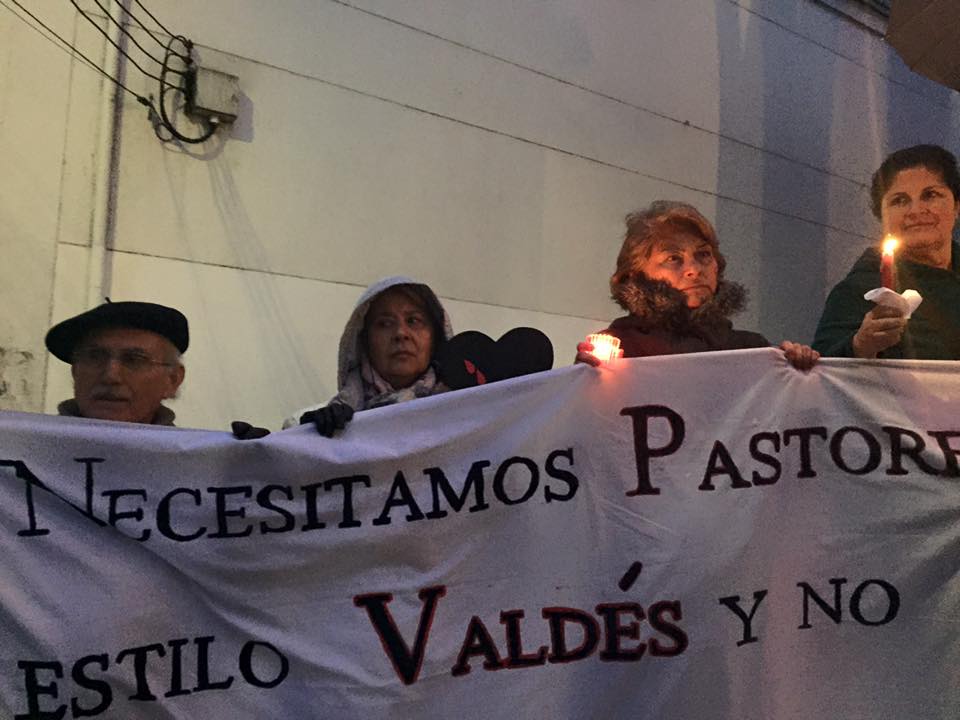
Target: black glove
(245, 431)
(329, 419)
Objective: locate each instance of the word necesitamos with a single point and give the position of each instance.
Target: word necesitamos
(178, 514)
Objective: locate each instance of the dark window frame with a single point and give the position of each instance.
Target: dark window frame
(880, 6)
(871, 15)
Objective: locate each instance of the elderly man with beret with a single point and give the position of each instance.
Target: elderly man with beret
(125, 361)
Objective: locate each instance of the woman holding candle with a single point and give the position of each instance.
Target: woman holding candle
(387, 353)
(916, 196)
(669, 277)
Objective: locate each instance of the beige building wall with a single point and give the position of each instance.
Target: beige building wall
(490, 149)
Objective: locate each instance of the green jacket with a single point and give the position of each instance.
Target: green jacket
(933, 331)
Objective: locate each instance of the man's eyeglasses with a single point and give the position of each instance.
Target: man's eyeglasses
(131, 360)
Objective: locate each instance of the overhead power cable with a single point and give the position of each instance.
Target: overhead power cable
(74, 51)
(150, 14)
(153, 37)
(159, 115)
(125, 31)
(113, 42)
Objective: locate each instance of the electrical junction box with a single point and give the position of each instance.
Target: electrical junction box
(213, 95)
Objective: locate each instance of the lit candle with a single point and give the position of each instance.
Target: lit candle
(605, 347)
(886, 261)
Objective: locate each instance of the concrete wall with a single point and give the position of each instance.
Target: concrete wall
(52, 113)
(488, 148)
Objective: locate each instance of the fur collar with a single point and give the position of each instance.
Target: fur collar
(656, 304)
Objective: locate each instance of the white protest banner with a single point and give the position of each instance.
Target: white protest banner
(701, 536)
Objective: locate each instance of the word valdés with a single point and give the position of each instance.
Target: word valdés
(616, 631)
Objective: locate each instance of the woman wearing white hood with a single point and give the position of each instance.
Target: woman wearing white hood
(387, 353)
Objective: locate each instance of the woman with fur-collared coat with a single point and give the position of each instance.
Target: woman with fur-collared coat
(669, 277)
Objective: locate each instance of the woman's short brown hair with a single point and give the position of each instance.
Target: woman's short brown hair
(932, 157)
(662, 217)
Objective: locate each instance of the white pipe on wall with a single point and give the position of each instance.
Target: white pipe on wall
(108, 156)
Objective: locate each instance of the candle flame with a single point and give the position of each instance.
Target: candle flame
(890, 244)
(605, 347)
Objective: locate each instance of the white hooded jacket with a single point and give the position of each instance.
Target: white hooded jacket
(353, 388)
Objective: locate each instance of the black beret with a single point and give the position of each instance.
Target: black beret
(62, 339)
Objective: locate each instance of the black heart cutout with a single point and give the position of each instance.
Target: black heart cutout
(524, 350)
(472, 358)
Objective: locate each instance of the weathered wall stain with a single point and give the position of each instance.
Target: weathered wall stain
(17, 372)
